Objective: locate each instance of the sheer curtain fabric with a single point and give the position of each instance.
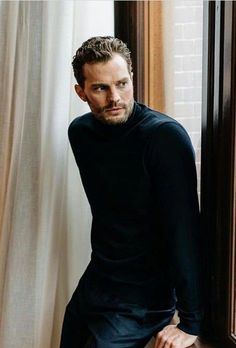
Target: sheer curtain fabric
(44, 216)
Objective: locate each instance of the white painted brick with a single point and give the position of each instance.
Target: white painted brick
(183, 109)
(187, 3)
(192, 94)
(184, 47)
(197, 79)
(178, 31)
(198, 46)
(197, 109)
(183, 79)
(188, 22)
(199, 14)
(193, 62)
(188, 79)
(192, 30)
(178, 64)
(179, 94)
(188, 14)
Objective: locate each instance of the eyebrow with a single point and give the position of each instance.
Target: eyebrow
(101, 84)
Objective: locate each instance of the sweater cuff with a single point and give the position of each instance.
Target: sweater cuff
(190, 322)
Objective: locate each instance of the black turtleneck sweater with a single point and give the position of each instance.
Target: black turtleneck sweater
(140, 181)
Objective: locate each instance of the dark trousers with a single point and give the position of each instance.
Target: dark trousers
(100, 320)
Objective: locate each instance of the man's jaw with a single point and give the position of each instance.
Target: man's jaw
(114, 113)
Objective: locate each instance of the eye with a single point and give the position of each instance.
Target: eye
(122, 84)
(99, 88)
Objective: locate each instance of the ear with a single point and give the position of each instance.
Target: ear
(131, 75)
(80, 92)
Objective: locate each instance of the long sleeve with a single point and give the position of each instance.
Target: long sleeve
(170, 162)
(140, 180)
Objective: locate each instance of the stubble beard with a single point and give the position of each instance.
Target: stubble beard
(104, 117)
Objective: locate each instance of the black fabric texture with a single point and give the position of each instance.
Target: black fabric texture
(96, 318)
(140, 181)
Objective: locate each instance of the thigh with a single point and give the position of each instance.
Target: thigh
(120, 331)
(120, 328)
(75, 332)
(117, 324)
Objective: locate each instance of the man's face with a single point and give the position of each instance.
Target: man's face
(108, 89)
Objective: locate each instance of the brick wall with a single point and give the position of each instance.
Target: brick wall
(188, 22)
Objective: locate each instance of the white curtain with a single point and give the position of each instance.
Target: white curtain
(44, 216)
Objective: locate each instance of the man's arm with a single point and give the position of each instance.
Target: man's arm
(173, 174)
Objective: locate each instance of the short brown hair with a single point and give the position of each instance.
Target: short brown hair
(98, 49)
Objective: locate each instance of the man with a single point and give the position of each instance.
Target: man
(138, 171)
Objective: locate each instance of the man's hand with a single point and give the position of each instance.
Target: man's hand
(172, 337)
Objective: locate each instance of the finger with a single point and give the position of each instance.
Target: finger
(164, 338)
(176, 342)
(160, 340)
(172, 341)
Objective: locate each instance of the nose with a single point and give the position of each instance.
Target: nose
(114, 96)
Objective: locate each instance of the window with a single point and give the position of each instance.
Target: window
(218, 175)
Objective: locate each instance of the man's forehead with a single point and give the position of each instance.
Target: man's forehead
(114, 69)
(105, 76)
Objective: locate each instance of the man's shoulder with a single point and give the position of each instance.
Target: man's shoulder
(81, 121)
(154, 119)
(161, 130)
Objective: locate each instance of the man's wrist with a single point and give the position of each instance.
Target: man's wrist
(190, 328)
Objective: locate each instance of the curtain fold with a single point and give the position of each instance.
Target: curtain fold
(44, 216)
(6, 124)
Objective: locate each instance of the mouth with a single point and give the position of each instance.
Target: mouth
(114, 109)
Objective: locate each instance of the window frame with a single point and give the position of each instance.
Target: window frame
(218, 165)
(129, 27)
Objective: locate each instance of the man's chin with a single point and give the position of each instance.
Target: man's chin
(112, 120)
